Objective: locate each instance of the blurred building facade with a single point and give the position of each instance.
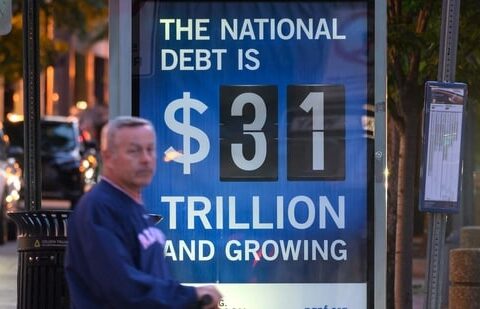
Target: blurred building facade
(75, 85)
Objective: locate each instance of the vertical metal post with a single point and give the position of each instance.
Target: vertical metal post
(5, 16)
(380, 194)
(31, 134)
(41, 235)
(448, 40)
(434, 274)
(120, 62)
(438, 221)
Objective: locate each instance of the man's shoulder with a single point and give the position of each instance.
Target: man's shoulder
(98, 200)
(103, 186)
(96, 195)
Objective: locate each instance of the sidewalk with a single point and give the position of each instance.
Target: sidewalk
(8, 275)
(418, 284)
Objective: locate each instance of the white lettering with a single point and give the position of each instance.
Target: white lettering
(201, 250)
(286, 250)
(172, 202)
(302, 200)
(336, 36)
(338, 217)
(235, 254)
(169, 250)
(166, 23)
(280, 212)
(232, 220)
(322, 29)
(342, 253)
(289, 251)
(219, 208)
(256, 216)
(149, 236)
(284, 29)
(287, 32)
(201, 213)
(191, 59)
(252, 247)
(270, 254)
(194, 29)
(300, 212)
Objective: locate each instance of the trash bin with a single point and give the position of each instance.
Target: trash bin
(42, 240)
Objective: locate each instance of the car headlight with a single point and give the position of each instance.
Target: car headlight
(89, 173)
(13, 196)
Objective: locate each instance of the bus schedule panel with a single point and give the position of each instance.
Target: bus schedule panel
(444, 123)
(262, 112)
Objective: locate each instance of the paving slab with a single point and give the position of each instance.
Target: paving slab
(8, 275)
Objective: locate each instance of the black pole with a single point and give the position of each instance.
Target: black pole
(41, 235)
(31, 65)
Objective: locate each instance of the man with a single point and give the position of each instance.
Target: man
(114, 257)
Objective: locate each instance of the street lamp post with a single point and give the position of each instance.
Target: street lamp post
(41, 235)
(31, 105)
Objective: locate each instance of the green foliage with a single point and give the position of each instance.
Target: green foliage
(468, 53)
(468, 60)
(11, 51)
(413, 50)
(79, 16)
(86, 19)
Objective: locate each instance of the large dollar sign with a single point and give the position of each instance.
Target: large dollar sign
(184, 128)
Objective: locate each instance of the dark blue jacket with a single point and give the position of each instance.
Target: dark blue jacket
(114, 257)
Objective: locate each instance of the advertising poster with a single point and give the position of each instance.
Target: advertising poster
(264, 121)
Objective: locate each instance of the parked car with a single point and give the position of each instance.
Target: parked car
(10, 186)
(62, 166)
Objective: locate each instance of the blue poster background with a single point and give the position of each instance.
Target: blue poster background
(283, 62)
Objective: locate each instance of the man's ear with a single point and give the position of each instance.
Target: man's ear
(106, 155)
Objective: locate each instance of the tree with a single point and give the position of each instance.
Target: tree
(81, 18)
(413, 54)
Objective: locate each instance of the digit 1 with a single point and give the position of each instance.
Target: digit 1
(315, 132)
(315, 102)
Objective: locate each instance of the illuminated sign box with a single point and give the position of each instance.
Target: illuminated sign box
(263, 176)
